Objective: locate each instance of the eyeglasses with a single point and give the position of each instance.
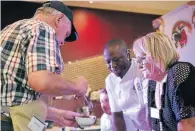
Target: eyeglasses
(140, 60)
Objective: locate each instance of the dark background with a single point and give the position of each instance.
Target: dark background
(95, 27)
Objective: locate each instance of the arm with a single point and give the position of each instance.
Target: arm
(118, 121)
(186, 124)
(43, 61)
(117, 114)
(183, 96)
(53, 84)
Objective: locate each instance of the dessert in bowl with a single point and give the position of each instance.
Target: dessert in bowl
(85, 121)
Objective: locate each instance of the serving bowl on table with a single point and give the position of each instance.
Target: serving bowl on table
(86, 121)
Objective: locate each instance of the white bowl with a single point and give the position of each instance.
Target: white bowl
(85, 121)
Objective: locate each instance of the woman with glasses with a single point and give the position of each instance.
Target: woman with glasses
(172, 104)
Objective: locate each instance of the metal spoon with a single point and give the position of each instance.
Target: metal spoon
(89, 104)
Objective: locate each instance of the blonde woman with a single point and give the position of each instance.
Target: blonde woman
(172, 106)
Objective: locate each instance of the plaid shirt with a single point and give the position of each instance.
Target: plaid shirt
(26, 46)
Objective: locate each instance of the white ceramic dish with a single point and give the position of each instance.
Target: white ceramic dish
(85, 121)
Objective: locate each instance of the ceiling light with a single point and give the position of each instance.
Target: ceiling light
(90, 1)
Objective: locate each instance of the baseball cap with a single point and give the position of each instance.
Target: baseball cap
(58, 5)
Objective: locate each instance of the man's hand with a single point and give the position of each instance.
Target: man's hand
(62, 117)
(82, 85)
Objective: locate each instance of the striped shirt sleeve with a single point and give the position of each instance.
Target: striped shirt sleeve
(41, 52)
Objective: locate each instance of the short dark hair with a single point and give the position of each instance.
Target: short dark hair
(115, 42)
(103, 91)
(120, 43)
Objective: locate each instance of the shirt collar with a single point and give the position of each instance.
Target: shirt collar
(130, 74)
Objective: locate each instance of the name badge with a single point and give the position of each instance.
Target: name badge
(36, 125)
(155, 113)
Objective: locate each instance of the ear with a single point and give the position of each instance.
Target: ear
(58, 19)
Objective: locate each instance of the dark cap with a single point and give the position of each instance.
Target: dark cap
(65, 10)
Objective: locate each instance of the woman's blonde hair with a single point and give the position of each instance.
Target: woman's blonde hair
(160, 47)
(47, 11)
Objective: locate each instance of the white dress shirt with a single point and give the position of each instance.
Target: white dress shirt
(106, 123)
(127, 95)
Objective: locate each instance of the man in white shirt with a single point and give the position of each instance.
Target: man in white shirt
(106, 122)
(125, 90)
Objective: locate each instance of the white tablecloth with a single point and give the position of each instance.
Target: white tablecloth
(94, 127)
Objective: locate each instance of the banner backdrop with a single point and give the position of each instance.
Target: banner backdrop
(179, 24)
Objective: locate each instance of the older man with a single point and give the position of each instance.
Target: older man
(30, 66)
(125, 90)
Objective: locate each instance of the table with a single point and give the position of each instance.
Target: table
(91, 128)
